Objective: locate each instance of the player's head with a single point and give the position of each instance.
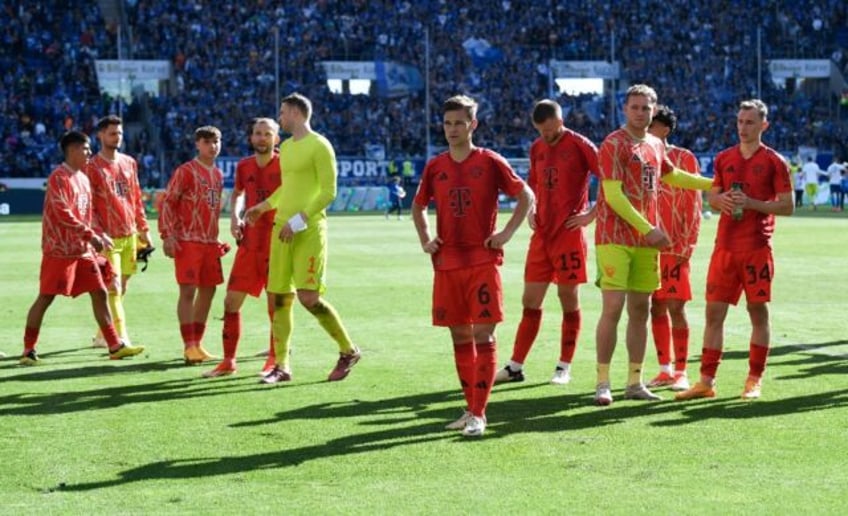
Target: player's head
(547, 120)
(640, 101)
(110, 132)
(207, 140)
(76, 148)
(751, 121)
(295, 110)
(264, 134)
(664, 122)
(459, 119)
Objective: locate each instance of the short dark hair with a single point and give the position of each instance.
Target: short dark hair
(108, 120)
(72, 138)
(461, 103)
(301, 102)
(665, 115)
(207, 132)
(544, 110)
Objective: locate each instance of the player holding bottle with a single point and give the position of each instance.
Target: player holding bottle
(188, 226)
(118, 212)
(752, 184)
(256, 178)
(465, 184)
(680, 215)
(560, 163)
(69, 264)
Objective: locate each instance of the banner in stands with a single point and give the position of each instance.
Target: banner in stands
(351, 170)
(585, 69)
(788, 68)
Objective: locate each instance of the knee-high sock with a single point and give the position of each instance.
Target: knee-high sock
(710, 359)
(30, 339)
(661, 328)
(329, 319)
(282, 327)
(187, 333)
(464, 355)
(757, 357)
(116, 305)
(111, 336)
(231, 334)
(528, 329)
(570, 332)
(272, 352)
(485, 365)
(680, 338)
(199, 330)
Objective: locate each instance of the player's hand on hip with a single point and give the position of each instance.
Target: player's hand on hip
(657, 238)
(578, 220)
(432, 246)
(252, 214)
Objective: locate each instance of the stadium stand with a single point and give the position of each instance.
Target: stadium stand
(701, 57)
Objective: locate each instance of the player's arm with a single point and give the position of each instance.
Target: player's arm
(619, 203)
(169, 216)
(784, 205)
(325, 168)
(579, 220)
(683, 179)
(236, 207)
(422, 225)
(141, 224)
(522, 207)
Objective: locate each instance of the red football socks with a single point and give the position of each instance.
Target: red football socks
(680, 339)
(485, 368)
(528, 328)
(570, 333)
(464, 356)
(231, 334)
(757, 357)
(661, 328)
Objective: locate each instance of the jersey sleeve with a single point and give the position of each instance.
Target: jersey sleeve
(138, 205)
(590, 154)
(509, 182)
(606, 161)
(782, 176)
(325, 170)
(424, 193)
(169, 215)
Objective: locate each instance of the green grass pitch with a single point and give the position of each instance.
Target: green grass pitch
(83, 435)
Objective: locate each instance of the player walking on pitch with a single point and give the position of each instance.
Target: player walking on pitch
(118, 213)
(298, 257)
(69, 264)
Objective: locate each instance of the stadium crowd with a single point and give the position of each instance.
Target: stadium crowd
(701, 57)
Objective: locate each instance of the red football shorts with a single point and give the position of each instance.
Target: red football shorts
(472, 295)
(674, 278)
(250, 271)
(561, 261)
(198, 264)
(732, 272)
(70, 276)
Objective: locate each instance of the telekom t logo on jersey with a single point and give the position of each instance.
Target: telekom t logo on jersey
(460, 201)
(550, 179)
(212, 197)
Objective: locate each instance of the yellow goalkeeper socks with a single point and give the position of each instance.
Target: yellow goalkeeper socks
(329, 319)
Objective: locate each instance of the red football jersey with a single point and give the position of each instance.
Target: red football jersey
(118, 209)
(680, 209)
(559, 176)
(192, 203)
(466, 197)
(258, 183)
(763, 176)
(66, 223)
(638, 164)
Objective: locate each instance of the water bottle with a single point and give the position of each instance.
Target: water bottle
(738, 212)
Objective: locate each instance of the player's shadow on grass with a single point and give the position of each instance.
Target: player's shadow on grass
(114, 396)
